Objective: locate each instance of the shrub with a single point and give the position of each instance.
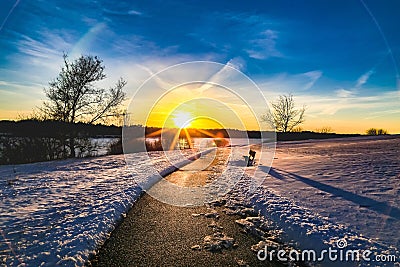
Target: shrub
(115, 147)
(18, 150)
(382, 131)
(154, 145)
(324, 130)
(374, 131)
(297, 129)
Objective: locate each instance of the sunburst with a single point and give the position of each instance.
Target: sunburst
(182, 119)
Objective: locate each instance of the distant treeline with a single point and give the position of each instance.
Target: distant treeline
(305, 135)
(34, 128)
(33, 140)
(234, 133)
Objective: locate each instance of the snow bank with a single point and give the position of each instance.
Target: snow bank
(59, 212)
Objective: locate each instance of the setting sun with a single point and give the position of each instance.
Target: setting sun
(182, 119)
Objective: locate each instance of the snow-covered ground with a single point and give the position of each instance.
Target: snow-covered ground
(316, 193)
(354, 183)
(59, 212)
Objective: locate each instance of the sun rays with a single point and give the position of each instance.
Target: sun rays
(180, 137)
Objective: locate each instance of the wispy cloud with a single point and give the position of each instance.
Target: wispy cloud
(264, 45)
(237, 63)
(286, 83)
(343, 93)
(233, 36)
(326, 102)
(137, 44)
(366, 105)
(364, 78)
(223, 73)
(313, 76)
(134, 12)
(130, 12)
(44, 47)
(262, 42)
(346, 96)
(39, 56)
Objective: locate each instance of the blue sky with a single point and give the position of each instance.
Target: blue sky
(337, 57)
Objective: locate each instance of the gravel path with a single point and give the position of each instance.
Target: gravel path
(158, 234)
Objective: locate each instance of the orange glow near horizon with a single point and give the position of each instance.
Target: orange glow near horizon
(200, 107)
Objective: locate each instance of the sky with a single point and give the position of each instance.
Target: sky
(338, 58)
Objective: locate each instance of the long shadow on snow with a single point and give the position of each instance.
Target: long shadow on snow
(369, 203)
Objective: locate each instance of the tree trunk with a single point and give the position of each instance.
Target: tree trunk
(72, 147)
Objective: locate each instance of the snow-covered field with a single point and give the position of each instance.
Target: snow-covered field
(354, 183)
(59, 212)
(316, 193)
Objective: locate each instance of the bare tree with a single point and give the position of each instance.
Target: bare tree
(324, 130)
(73, 96)
(284, 116)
